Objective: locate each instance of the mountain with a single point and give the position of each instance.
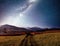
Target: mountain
(13, 30)
(42, 29)
(36, 29)
(9, 29)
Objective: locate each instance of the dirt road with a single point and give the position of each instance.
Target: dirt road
(28, 41)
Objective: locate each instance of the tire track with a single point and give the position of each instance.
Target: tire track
(28, 40)
(33, 42)
(24, 42)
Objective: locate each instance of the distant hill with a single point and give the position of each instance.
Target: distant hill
(35, 28)
(12, 28)
(9, 29)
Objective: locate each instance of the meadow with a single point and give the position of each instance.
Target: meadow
(45, 39)
(48, 39)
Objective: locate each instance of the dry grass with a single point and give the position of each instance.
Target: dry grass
(48, 39)
(11, 40)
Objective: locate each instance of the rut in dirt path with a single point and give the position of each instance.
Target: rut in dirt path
(28, 41)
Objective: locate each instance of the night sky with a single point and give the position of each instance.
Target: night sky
(28, 13)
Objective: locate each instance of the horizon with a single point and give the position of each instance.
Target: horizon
(29, 27)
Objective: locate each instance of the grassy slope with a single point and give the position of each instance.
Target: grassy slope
(11, 40)
(45, 39)
(48, 39)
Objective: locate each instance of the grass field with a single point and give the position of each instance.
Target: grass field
(48, 39)
(11, 40)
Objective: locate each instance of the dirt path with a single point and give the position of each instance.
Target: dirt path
(28, 41)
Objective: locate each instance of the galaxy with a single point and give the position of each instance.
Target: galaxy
(30, 13)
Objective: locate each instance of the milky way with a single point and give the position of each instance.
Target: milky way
(30, 13)
(19, 11)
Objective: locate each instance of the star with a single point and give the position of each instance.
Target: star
(32, 1)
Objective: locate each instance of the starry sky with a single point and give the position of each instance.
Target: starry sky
(28, 13)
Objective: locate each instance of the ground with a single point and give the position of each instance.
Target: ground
(45, 39)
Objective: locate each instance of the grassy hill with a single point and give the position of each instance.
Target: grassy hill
(43, 39)
(11, 40)
(48, 39)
